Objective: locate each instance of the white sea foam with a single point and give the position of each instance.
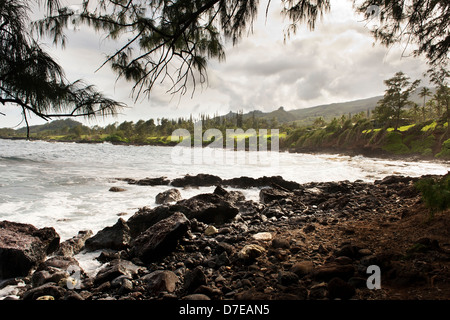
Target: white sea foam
(65, 185)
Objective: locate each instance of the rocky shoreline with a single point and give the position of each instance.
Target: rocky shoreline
(310, 241)
(368, 151)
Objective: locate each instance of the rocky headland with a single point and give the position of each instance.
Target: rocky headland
(299, 241)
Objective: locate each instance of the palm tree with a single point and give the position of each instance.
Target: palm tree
(424, 93)
(32, 80)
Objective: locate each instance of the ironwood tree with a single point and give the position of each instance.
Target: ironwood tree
(395, 99)
(32, 80)
(173, 40)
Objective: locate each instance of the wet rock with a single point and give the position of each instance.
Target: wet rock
(43, 276)
(160, 181)
(74, 245)
(161, 238)
(48, 289)
(60, 263)
(120, 280)
(161, 280)
(193, 279)
(248, 182)
(108, 255)
(115, 269)
(117, 189)
(171, 195)
(145, 217)
(23, 246)
(200, 180)
(267, 195)
(340, 289)
(208, 208)
(393, 180)
(116, 237)
(232, 196)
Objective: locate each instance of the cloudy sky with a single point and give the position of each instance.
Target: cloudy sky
(336, 62)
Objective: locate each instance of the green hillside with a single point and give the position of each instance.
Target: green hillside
(334, 110)
(57, 125)
(306, 116)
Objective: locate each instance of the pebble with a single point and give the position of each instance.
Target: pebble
(264, 236)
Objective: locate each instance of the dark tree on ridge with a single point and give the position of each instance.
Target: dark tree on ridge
(32, 80)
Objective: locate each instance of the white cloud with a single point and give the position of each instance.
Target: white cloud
(336, 62)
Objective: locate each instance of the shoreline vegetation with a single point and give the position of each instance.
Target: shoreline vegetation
(313, 241)
(428, 140)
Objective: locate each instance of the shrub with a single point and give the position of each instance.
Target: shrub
(435, 193)
(423, 146)
(394, 143)
(116, 137)
(445, 151)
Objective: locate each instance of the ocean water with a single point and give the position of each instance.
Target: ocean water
(65, 185)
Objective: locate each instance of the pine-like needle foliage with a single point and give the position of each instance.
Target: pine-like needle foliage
(172, 40)
(31, 79)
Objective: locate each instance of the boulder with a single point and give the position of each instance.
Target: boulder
(161, 181)
(232, 196)
(193, 279)
(200, 180)
(58, 262)
(208, 208)
(116, 237)
(171, 195)
(388, 180)
(74, 245)
(114, 269)
(267, 195)
(161, 238)
(48, 289)
(117, 189)
(146, 217)
(161, 280)
(23, 246)
(248, 182)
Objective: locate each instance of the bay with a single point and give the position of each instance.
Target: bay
(65, 185)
